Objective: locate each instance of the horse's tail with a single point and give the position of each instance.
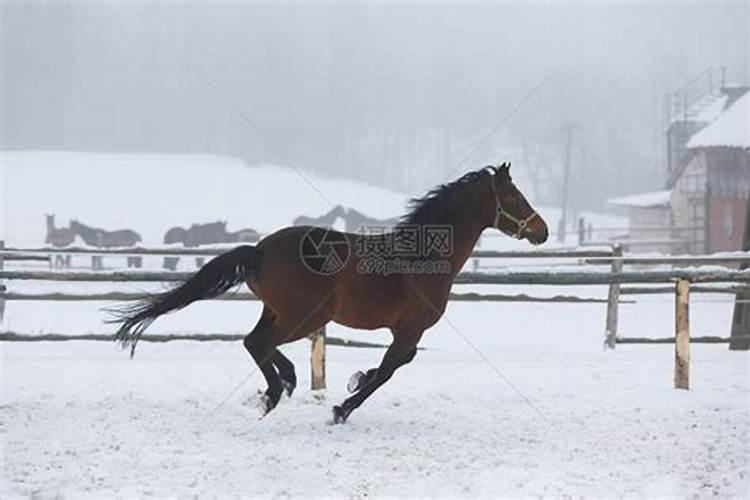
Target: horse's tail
(216, 277)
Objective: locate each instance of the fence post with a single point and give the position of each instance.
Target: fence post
(613, 299)
(581, 231)
(318, 360)
(682, 335)
(2, 287)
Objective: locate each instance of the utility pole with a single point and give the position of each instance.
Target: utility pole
(566, 181)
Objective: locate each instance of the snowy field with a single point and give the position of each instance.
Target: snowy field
(80, 418)
(505, 400)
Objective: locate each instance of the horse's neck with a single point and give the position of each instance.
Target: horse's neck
(466, 233)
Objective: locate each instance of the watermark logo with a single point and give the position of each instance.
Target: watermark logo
(410, 249)
(324, 251)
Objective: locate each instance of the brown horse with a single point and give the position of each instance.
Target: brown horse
(308, 276)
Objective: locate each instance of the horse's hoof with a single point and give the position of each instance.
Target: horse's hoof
(354, 382)
(339, 415)
(268, 402)
(288, 387)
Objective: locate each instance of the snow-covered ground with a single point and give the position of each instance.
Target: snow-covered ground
(506, 399)
(80, 418)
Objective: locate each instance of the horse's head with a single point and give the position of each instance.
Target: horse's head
(512, 214)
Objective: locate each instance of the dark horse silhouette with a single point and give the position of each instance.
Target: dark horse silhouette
(59, 238)
(101, 238)
(309, 276)
(357, 221)
(325, 220)
(353, 219)
(205, 234)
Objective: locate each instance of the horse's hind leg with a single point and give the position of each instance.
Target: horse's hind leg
(260, 344)
(286, 371)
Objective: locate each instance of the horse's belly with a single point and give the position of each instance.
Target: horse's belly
(367, 309)
(361, 319)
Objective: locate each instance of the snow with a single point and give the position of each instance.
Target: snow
(81, 419)
(643, 200)
(129, 191)
(709, 109)
(116, 191)
(506, 399)
(731, 129)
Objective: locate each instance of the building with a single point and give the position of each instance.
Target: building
(708, 173)
(710, 187)
(649, 220)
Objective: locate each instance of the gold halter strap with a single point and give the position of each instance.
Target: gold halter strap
(521, 224)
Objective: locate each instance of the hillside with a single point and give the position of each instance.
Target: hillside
(151, 193)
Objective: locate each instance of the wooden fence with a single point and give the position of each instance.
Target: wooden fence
(680, 281)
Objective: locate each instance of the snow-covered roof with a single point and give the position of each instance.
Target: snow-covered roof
(731, 129)
(709, 109)
(654, 199)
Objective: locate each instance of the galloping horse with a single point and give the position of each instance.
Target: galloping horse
(308, 276)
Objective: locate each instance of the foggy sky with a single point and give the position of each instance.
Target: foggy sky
(391, 93)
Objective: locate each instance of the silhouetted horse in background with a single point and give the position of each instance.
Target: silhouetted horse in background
(354, 220)
(59, 238)
(308, 276)
(357, 221)
(205, 234)
(325, 220)
(101, 238)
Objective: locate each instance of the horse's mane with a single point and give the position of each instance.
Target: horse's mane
(435, 206)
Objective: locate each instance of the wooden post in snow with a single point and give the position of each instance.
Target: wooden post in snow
(318, 360)
(613, 299)
(2, 287)
(682, 335)
(741, 316)
(581, 231)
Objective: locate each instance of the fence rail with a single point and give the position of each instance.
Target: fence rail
(473, 278)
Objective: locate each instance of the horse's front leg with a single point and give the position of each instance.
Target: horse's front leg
(400, 352)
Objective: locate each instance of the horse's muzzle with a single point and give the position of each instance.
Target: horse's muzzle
(536, 235)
